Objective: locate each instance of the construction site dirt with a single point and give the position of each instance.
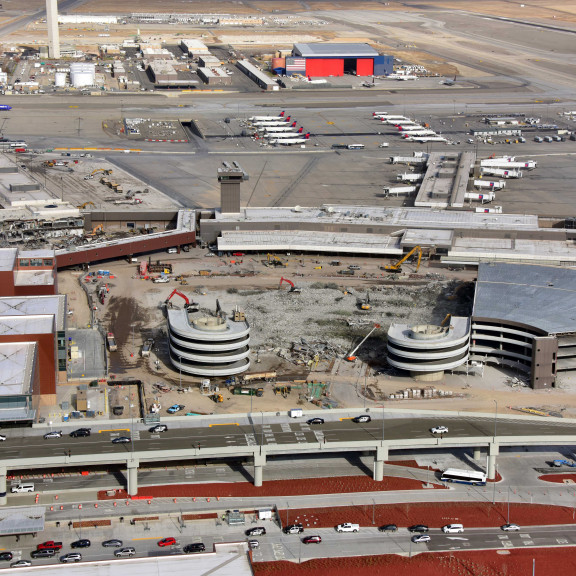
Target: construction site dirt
(302, 337)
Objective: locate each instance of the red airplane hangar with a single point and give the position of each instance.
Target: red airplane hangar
(323, 60)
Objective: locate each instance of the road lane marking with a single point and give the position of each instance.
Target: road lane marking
(115, 430)
(224, 424)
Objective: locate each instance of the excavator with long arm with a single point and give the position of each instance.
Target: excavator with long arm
(397, 268)
(293, 289)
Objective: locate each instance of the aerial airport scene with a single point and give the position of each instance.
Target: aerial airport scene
(288, 287)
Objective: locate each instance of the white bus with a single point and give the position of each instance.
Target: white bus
(464, 477)
(356, 146)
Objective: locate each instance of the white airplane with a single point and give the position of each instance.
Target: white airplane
(404, 128)
(273, 129)
(277, 122)
(284, 134)
(403, 123)
(424, 139)
(291, 141)
(423, 132)
(258, 118)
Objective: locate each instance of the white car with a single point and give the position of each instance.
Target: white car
(2, 438)
(54, 434)
(347, 527)
(510, 527)
(439, 430)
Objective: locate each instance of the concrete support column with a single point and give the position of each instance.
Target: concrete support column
(379, 458)
(493, 451)
(132, 474)
(3, 498)
(477, 453)
(259, 463)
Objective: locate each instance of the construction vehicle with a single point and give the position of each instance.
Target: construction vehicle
(365, 304)
(82, 206)
(446, 319)
(217, 398)
(240, 391)
(272, 260)
(189, 306)
(397, 268)
(111, 341)
(259, 376)
(103, 170)
(350, 357)
(99, 229)
(293, 289)
(158, 267)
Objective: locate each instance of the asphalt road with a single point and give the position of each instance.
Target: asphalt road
(238, 432)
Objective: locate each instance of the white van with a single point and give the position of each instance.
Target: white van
(453, 528)
(22, 488)
(172, 250)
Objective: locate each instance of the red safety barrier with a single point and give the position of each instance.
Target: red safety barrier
(115, 503)
(194, 499)
(207, 499)
(149, 501)
(79, 506)
(175, 500)
(95, 505)
(51, 508)
(56, 497)
(61, 507)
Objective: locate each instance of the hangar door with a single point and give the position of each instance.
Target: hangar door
(324, 67)
(365, 67)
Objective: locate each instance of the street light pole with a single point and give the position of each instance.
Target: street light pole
(495, 417)
(261, 431)
(508, 520)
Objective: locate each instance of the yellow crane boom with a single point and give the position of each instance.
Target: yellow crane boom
(398, 266)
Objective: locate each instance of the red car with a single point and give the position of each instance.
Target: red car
(312, 539)
(238, 254)
(50, 544)
(167, 542)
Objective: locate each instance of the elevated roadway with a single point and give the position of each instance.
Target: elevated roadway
(263, 435)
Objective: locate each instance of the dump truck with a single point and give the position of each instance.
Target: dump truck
(240, 391)
(111, 341)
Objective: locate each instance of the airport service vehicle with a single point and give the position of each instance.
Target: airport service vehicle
(158, 428)
(388, 528)
(419, 538)
(464, 477)
(176, 408)
(418, 528)
(71, 557)
(315, 421)
(21, 564)
(125, 552)
(294, 529)
(258, 531)
(194, 548)
(312, 539)
(5, 107)
(80, 433)
(439, 430)
(361, 419)
(82, 543)
(6, 556)
(49, 544)
(114, 543)
(167, 542)
(510, 527)
(45, 553)
(121, 440)
(347, 527)
(53, 434)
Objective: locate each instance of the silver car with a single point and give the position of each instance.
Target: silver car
(71, 557)
(125, 552)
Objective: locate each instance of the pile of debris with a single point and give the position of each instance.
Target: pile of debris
(425, 393)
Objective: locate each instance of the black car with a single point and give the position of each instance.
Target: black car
(82, 543)
(121, 440)
(388, 528)
(80, 433)
(362, 418)
(44, 553)
(7, 556)
(418, 528)
(315, 421)
(193, 548)
(258, 531)
(114, 543)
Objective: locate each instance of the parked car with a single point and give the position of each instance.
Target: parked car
(158, 428)
(258, 531)
(176, 408)
(114, 543)
(315, 421)
(49, 544)
(6, 556)
(510, 527)
(312, 539)
(21, 564)
(80, 433)
(419, 538)
(45, 553)
(347, 527)
(71, 557)
(294, 529)
(194, 548)
(167, 542)
(125, 552)
(362, 418)
(82, 543)
(53, 434)
(353, 267)
(439, 430)
(388, 528)
(418, 528)
(121, 440)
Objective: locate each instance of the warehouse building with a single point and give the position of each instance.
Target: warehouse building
(322, 60)
(524, 317)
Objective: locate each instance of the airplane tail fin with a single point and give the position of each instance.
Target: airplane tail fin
(300, 129)
(307, 135)
(282, 113)
(288, 118)
(293, 125)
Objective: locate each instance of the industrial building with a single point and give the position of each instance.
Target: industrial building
(208, 345)
(82, 74)
(334, 59)
(525, 317)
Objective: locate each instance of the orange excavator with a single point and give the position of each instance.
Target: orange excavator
(293, 289)
(189, 306)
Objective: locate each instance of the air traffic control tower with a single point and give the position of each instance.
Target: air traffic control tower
(230, 178)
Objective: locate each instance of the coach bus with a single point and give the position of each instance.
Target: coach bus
(464, 476)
